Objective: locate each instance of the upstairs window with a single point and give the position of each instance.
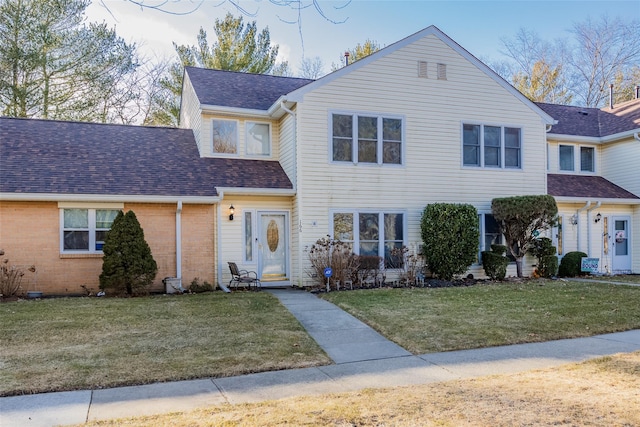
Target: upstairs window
(587, 159)
(566, 158)
(225, 136)
(258, 139)
(491, 146)
(366, 139)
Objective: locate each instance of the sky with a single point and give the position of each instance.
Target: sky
(478, 26)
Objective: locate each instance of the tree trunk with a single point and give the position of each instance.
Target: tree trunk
(519, 266)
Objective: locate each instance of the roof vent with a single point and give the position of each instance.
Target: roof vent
(422, 69)
(584, 113)
(442, 71)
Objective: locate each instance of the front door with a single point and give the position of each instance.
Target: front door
(273, 246)
(621, 244)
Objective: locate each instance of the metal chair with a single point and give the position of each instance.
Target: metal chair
(250, 278)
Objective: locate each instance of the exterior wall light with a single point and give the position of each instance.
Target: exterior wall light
(231, 212)
(598, 218)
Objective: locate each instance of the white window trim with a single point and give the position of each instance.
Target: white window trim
(356, 222)
(91, 210)
(246, 138)
(502, 127)
(354, 140)
(237, 135)
(577, 160)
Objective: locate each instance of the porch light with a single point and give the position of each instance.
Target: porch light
(598, 218)
(231, 212)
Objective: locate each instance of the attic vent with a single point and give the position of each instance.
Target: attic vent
(584, 113)
(422, 69)
(442, 71)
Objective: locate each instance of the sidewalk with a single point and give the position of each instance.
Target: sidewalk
(363, 359)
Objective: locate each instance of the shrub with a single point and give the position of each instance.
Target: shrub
(369, 267)
(411, 264)
(450, 235)
(570, 264)
(545, 252)
(338, 255)
(495, 263)
(128, 265)
(11, 277)
(196, 287)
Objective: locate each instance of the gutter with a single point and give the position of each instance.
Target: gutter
(95, 198)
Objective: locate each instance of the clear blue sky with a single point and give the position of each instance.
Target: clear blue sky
(478, 26)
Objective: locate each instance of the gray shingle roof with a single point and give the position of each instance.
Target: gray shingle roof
(240, 90)
(44, 156)
(585, 186)
(593, 122)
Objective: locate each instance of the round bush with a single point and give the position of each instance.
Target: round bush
(570, 264)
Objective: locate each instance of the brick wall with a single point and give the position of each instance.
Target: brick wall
(30, 234)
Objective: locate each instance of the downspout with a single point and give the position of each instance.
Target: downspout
(218, 240)
(597, 205)
(179, 241)
(298, 199)
(578, 220)
(636, 136)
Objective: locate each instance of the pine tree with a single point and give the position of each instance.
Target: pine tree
(128, 265)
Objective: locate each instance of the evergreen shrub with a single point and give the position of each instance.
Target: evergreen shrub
(570, 265)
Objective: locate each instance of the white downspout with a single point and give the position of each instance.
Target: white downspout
(597, 205)
(298, 199)
(578, 220)
(179, 241)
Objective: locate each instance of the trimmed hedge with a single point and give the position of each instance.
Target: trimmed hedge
(570, 264)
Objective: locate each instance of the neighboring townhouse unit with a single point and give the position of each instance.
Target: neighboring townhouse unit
(593, 163)
(264, 166)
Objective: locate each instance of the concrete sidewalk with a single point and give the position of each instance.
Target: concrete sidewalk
(362, 360)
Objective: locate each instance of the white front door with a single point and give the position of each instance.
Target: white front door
(273, 244)
(621, 244)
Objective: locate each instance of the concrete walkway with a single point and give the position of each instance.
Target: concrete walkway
(363, 359)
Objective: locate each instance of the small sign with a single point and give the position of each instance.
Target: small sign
(328, 272)
(589, 265)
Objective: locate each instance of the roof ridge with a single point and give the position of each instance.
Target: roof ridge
(91, 123)
(248, 73)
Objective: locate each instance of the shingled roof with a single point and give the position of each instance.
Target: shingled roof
(593, 122)
(585, 186)
(240, 90)
(55, 157)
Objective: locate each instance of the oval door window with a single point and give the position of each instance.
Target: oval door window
(272, 236)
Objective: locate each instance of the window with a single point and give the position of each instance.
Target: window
(248, 236)
(225, 136)
(258, 139)
(566, 157)
(378, 233)
(587, 159)
(490, 235)
(491, 146)
(379, 139)
(84, 230)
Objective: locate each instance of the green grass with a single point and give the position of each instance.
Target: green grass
(426, 320)
(78, 343)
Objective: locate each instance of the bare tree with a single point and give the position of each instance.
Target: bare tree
(602, 49)
(311, 68)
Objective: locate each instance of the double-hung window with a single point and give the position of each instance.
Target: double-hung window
(258, 139)
(490, 235)
(568, 161)
(366, 139)
(225, 136)
(84, 230)
(371, 233)
(491, 146)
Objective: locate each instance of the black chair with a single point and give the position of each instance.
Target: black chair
(243, 277)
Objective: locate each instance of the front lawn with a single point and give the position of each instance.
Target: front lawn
(81, 343)
(424, 320)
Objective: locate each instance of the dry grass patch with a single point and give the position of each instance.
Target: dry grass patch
(81, 343)
(601, 392)
(425, 320)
